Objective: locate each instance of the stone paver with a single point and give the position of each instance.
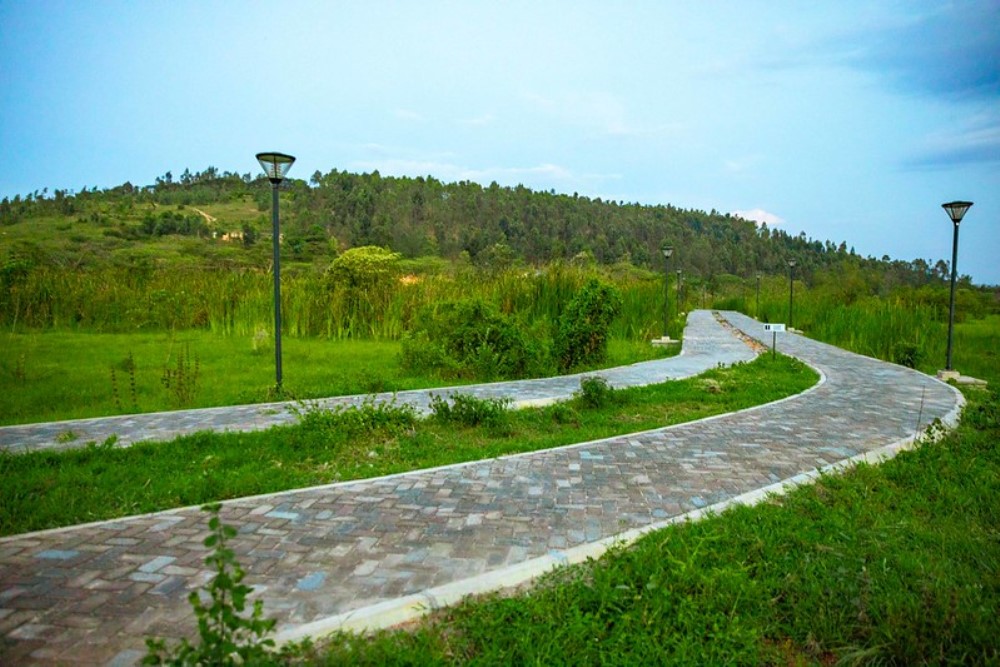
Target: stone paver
(89, 594)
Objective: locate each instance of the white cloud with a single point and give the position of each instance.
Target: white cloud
(407, 114)
(479, 121)
(759, 215)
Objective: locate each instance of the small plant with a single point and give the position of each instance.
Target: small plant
(182, 380)
(564, 414)
(595, 392)
(20, 374)
(127, 365)
(908, 354)
(66, 436)
(356, 419)
(227, 636)
(261, 341)
(467, 410)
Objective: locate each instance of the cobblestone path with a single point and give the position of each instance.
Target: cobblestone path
(90, 594)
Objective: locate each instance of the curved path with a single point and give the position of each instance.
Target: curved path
(370, 553)
(706, 345)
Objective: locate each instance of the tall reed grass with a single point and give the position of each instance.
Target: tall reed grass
(239, 302)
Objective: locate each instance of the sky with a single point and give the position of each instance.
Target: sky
(847, 121)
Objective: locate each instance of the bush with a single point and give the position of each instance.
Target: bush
(471, 339)
(582, 338)
(467, 410)
(595, 392)
(908, 354)
(357, 419)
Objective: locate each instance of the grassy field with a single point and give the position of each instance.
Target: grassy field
(890, 564)
(47, 489)
(58, 375)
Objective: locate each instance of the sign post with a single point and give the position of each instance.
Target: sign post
(775, 329)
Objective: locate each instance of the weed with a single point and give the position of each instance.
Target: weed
(67, 436)
(227, 636)
(181, 381)
(467, 410)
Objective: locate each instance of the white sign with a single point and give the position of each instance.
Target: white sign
(774, 328)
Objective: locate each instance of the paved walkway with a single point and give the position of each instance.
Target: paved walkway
(370, 551)
(706, 345)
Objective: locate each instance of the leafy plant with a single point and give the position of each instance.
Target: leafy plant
(355, 419)
(595, 392)
(467, 410)
(228, 637)
(582, 337)
(471, 338)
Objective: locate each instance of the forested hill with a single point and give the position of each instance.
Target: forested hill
(491, 225)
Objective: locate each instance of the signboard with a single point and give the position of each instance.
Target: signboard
(774, 328)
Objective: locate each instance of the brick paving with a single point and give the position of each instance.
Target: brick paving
(90, 594)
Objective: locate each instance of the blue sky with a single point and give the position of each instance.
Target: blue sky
(849, 121)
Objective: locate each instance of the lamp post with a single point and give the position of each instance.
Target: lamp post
(956, 210)
(668, 250)
(678, 290)
(756, 312)
(276, 165)
(791, 290)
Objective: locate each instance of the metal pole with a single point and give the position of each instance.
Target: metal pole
(951, 308)
(277, 284)
(678, 290)
(666, 298)
(791, 293)
(756, 312)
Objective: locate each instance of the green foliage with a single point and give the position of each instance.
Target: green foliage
(582, 337)
(467, 410)
(472, 338)
(227, 637)
(369, 417)
(595, 392)
(366, 267)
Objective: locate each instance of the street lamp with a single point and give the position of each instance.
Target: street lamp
(956, 210)
(668, 250)
(791, 290)
(756, 312)
(276, 165)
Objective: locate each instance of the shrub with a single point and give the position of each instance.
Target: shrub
(595, 392)
(908, 354)
(357, 419)
(467, 410)
(471, 338)
(582, 338)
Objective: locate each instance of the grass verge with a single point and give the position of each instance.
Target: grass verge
(57, 375)
(49, 489)
(890, 564)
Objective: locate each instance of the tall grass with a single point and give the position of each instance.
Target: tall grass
(239, 302)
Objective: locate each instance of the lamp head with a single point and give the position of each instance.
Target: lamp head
(956, 210)
(275, 165)
(668, 250)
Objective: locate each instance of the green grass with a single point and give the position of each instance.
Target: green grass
(67, 375)
(48, 489)
(890, 564)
